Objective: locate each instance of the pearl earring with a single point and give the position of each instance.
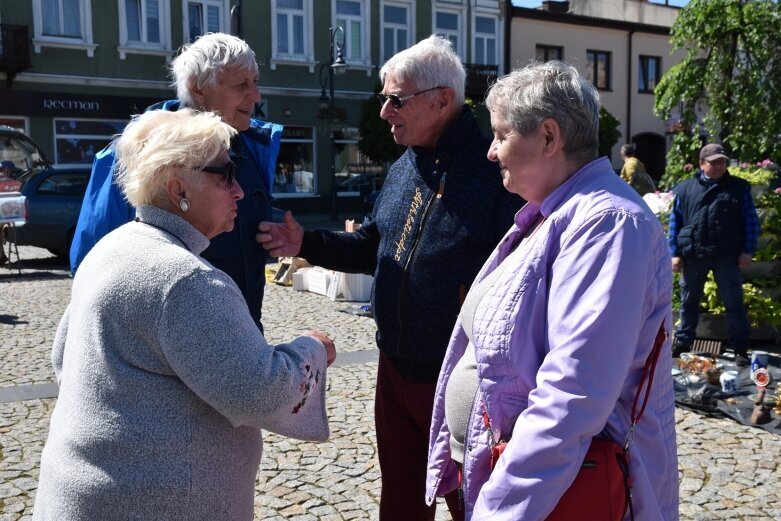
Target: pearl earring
(184, 204)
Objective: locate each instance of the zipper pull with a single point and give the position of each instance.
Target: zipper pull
(441, 185)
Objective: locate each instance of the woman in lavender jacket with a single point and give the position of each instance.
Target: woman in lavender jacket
(557, 327)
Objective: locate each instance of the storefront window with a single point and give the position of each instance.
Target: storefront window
(19, 123)
(295, 174)
(78, 140)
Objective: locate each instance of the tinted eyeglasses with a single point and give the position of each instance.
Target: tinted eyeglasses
(397, 101)
(228, 171)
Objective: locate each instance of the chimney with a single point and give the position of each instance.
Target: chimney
(556, 6)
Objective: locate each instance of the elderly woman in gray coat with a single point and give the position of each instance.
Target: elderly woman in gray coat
(165, 381)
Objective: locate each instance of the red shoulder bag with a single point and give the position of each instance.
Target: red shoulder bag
(602, 489)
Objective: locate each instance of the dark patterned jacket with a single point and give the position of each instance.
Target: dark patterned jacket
(439, 215)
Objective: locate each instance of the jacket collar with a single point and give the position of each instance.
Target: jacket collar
(457, 136)
(561, 194)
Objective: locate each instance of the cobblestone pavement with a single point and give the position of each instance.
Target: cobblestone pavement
(728, 471)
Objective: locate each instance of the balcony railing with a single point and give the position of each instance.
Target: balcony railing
(478, 79)
(14, 50)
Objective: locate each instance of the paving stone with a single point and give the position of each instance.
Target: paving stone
(728, 471)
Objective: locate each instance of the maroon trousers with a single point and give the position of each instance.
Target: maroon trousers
(402, 412)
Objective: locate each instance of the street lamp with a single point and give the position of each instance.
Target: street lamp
(336, 65)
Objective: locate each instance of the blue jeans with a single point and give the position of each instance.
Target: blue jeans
(729, 281)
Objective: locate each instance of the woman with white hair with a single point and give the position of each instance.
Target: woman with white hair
(553, 337)
(165, 381)
(215, 73)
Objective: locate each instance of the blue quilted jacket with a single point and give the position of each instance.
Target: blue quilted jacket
(236, 253)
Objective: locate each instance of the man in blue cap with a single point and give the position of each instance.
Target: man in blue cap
(713, 227)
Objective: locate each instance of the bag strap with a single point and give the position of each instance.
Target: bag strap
(648, 377)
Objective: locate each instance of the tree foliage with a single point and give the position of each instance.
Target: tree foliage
(608, 131)
(728, 86)
(376, 139)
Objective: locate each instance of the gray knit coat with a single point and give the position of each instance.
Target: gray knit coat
(165, 383)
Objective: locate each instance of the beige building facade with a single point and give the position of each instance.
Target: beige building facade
(622, 46)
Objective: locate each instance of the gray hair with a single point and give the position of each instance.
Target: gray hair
(199, 63)
(551, 90)
(159, 144)
(429, 63)
(628, 150)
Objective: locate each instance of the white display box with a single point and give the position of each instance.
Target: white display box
(301, 279)
(318, 280)
(357, 287)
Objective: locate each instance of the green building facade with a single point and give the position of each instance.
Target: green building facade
(72, 72)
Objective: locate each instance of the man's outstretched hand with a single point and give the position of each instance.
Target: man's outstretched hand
(281, 239)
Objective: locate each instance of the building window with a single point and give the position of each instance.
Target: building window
(355, 174)
(63, 23)
(396, 28)
(62, 18)
(145, 27)
(291, 35)
(448, 25)
(649, 72)
(78, 140)
(291, 32)
(205, 16)
(546, 53)
(598, 69)
(294, 173)
(143, 22)
(352, 16)
(485, 48)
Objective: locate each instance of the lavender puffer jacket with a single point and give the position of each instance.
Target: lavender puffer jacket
(561, 340)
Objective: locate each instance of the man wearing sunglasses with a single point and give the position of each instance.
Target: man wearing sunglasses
(440, 213)
(217, 73)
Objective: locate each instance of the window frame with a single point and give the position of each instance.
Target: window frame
(308, 57)
(642, 72)
(365, 61)
(459, 33)
(309, 139)
(409, 5)
(85, 42)
(547, 48)
(595, 70)
(224, 6)
(57, 136)
(497, 36)
(163, 48)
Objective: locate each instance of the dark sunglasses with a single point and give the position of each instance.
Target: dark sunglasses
(397, 101)
(228, 171)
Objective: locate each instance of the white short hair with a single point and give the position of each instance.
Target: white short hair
(199, 63)
(429, 63)
(554, 90)
(158, 144)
